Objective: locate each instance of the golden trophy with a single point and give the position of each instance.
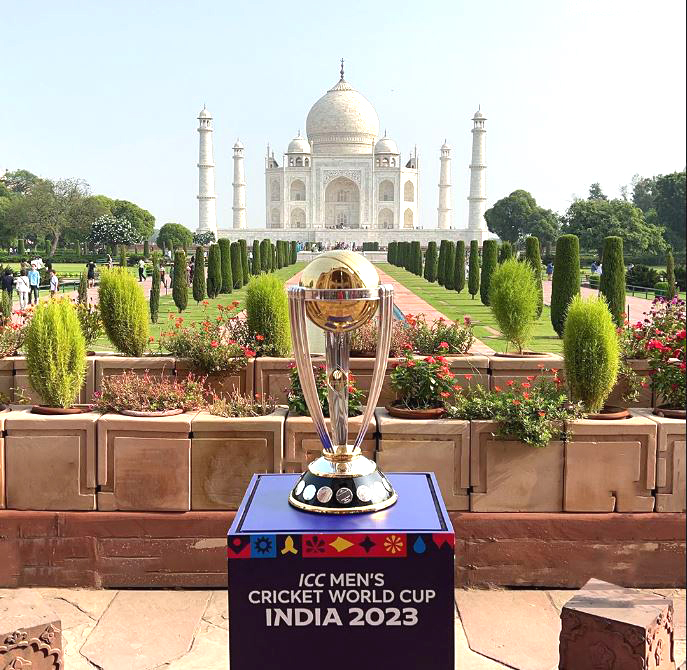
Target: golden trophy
(339, 291)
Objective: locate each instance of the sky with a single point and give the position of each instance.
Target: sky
(574, 91)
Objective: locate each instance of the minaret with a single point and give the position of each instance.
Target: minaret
(239, 185)
(207, 210)
(478, 186)
(445, 188)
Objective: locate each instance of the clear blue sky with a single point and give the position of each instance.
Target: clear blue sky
(574, 92)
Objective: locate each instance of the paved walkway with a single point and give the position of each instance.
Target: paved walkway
(175, 630)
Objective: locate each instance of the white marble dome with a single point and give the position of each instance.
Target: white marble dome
(386, 146)
(342, 122)
(204, 114)
(298, 145)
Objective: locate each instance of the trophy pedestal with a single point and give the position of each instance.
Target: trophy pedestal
(341, 591)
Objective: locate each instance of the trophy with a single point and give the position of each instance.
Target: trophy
(339, 291)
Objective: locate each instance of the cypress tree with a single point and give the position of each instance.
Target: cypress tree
(236, 267)
(533, 257)
(256, 266)
(294, 253)
(431, 260)
(441, 263)
(122, 256)
(225, 261)
(612, 282)
(505, 252)
(214, 283)
(146, 249)
(450, 262)
(265, 255)
(473, 269)
(21, 249)
(244, 261)
(565, 284)
(459, 267)
(273, 257)
(670, 275)
(83, 289)
(391, 253)
(154, 299)
(180, 281)
(490, 250)
(198, 276)
(416, 258)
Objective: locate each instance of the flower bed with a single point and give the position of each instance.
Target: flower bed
(111, 365)
(504, 368)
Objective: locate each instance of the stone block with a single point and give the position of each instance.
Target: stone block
(509, 476)
(302, 445)
(503, 368)
(24, 393)
(3, 416)
(50, 461)
(7, 378)
(361, 369)
(671, 478)
(30, 633)
(271, 376)
(441, 446)
(610, 466)
(222, 383)
(646, 396)
(106, 366)
(225, 453)
(607, 626)
(144, 464)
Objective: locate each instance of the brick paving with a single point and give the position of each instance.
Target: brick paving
(175, 630)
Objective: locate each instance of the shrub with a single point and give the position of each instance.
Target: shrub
(154, 299)
(225, 260)
(214, 284)
(422, 383)
(441, 263)
(5, 307)
(21, 249)
(296, 399)
(391, 253)
(662, 288)
(12, 334)
(681, 277)
(148, 393)
(236, 405)
(294, 252)
(180, 281)
(513, 298)
(449, 263)
(612, 282)
(505, 251)
(533, 257)
(473, 269)
(365, 340)
(490, 250)
(416, 258)
(146, 249)
(56, 352)
(236, 265)
(265, 255)
(670, 276)
(640, 275)
(280, 254)
(459, 267)
(255, 261)
(565, 284)
(123, 310)
(591, 351)
(90, 322)
(273, 257)
(198, 275)
(440, 337)
(267, 314)
(431, 260)
(83, 289)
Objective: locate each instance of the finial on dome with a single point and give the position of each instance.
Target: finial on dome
(342, 69)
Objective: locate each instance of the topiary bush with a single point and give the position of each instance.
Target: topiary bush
(124, 311)
(256, 266)
(459, 267)
(83, 289)
(533, 257)
(513, 300)
(55, 351)
(449, 263)
(180, 281)
(441, 263)
(267, 315)
(225, 260)
(565, 284)
(154, 298)
(265, 255)
(236, 266)
(490, 252)
(416, 258)
(391, 253)
(612, 282)
(198, 275)
(473, 269)
(431, 260)
(5, 307)
(671, 292)
(146, 249)
(245, 272)
(640, 275)
(661, 288)
(294, 251)
(591, 351)
(214, 282)
(505, 251)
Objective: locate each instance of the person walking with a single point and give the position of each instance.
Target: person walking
(90, 273)
(141, 270)
(8, 283)
(54, 283)
(110, 262)
(23, 289)
(34, 283)
(549, 270)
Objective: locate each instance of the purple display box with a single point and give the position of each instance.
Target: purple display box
(342, 592)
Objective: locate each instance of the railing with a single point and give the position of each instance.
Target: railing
(629, 288)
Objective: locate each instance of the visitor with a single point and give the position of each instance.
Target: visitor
(549, 270)
(34, 283)
(163, 279)
(8, 283)
(110, 262)
(191, 269)
(23, 289)
(141, 270)
(90, 273)
(600, 269)
(54, 283)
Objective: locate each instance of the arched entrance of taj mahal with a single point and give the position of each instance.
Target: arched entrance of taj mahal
(342, 204)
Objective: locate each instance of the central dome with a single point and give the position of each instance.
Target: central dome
(342, 121)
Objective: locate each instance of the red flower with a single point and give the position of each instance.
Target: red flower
(410, 364)
(444, 394)
(497, 388)
(510, 382)
(542, 414)
(525, 385)
(259, 338)
(681, 335)
(516, 402)
(457, 387)
(468, 377)
(443, 345)
(530, 378)
(430, 359)
(249, 353)
(214, 344)
(526, 395)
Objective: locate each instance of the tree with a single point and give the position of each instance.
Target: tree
(256, 267)
(643, 195)
(214, 283)
(180, 281)
(175, 236)
(595, 192)
(154, 299)
(141, 219)
(459, 267)
(146, 249)
(565, 284)
(473, 269)
(533, 257)
(108, 229)
(19, 181)
(225, 260)
(505, 252)
(431, 262)
(203, 237)
(391, 253)
(199, 276)
(245, 272)
(670, 207)
(416, 258)
(612, 283)
(236, 267)
(670, 276)
(294, 252)
(441, 263)
(450, 262)
(490, 252)
(265, 255)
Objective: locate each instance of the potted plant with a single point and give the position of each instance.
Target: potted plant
(667, 360)
(56, 357)
(443, 337)
(91, 323)
(296, 399)
(12, 334)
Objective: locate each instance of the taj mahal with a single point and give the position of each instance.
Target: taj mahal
(344, 181)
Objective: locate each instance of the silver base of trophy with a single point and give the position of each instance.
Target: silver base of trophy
(343, 484)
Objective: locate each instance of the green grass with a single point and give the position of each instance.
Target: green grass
(196, 312)
(458, 305)
(65, 269)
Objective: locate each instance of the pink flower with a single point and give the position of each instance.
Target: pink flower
(443, 345)
(468, 377)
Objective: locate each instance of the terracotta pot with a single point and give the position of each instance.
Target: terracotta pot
(670, 412)
(405, 413)
(524, 354)
(162, 412)
(610, 413)
(57, 411)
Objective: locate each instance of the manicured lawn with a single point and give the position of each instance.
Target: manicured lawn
(458, 305)
(196, 312)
